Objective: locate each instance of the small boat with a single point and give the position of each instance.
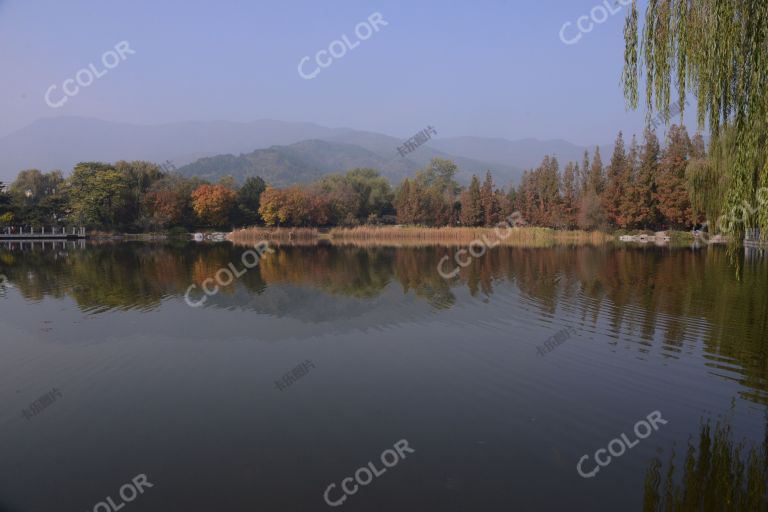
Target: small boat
(199, 237)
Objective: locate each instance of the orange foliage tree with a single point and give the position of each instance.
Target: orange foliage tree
(294, 206)
(213, 204)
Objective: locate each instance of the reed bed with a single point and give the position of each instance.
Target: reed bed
(420, 236)
(463, 235)
(296, 236)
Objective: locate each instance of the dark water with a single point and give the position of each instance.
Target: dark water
(496, 411)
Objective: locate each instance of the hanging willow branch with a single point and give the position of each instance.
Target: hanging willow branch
(718, 51)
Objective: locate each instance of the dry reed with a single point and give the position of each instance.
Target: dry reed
(420, 236)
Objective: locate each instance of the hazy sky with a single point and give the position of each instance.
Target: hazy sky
(481, 67)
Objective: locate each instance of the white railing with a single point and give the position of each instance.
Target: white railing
(52, 232)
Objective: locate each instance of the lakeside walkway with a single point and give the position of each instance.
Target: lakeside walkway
(43, 234)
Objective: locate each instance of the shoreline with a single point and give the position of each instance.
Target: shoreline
(420, 236)
(398, 236)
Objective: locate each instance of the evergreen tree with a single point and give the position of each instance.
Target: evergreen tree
(584, 179)
(596, 174)
(511, 201)
(591, 214)
(248, 201)
(490, 206)
(471, 207)
(504, 204)
(577, 181)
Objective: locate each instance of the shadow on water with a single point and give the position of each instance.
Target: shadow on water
(717, 474)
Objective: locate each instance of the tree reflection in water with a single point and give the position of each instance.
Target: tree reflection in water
(717, 475)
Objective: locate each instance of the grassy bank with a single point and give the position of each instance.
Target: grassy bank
(419, 236)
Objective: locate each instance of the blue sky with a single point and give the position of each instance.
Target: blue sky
(482, 67)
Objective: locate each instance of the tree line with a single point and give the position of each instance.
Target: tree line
(130, 196)
(642, 187)
(717, 52)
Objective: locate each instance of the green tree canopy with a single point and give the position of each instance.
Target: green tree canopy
(99, 195)
(718, 51)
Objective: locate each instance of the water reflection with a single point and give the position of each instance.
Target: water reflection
(717, 474)
(400, 352)
(676, 297)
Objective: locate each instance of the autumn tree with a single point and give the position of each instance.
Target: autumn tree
(525, 196)
(570, 187)
(270, 203)
(406, 214)
(617, 179)
(627, 201)
(591, 215)
(295, 206)
(214, 204)
(549, 196)
(471, 207)
(641, 204)
(538, 196)
(672, 191)
(168, 202)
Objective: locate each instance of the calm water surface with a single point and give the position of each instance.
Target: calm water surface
(497, 413)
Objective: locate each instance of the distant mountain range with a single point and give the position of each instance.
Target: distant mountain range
(281, 152)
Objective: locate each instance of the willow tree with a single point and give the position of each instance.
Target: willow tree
(716, 50)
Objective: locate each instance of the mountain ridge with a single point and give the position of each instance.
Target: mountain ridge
(61, 142)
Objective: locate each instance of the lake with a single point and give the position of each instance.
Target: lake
(507, 387)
